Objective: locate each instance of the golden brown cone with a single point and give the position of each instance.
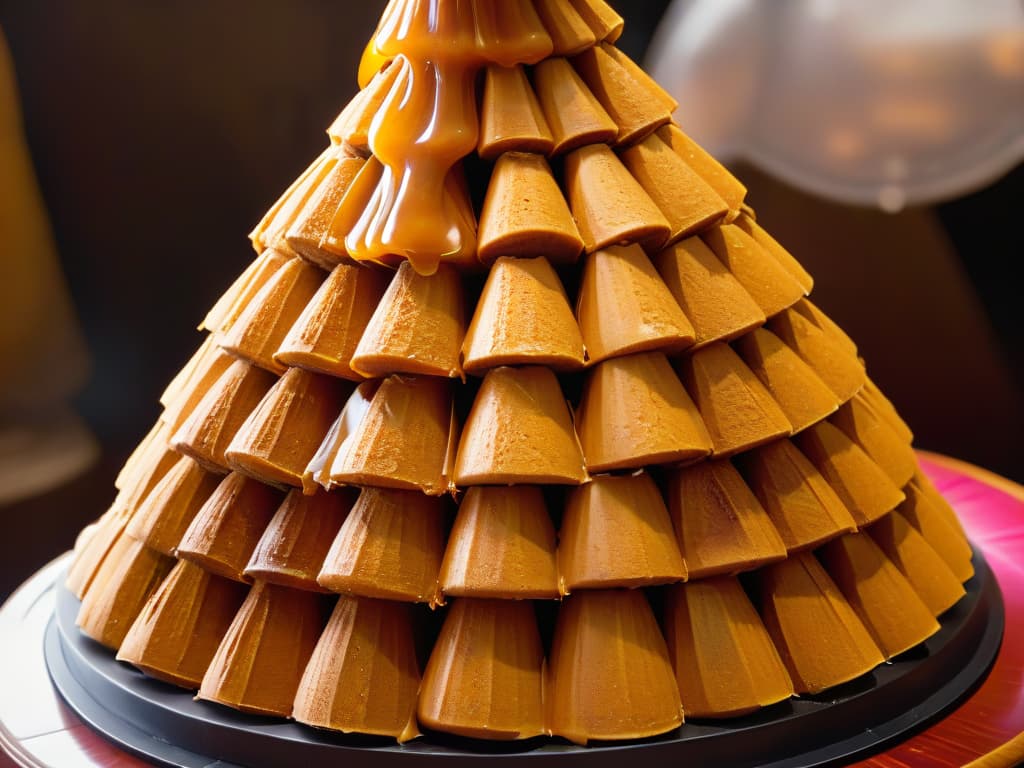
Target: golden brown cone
(724, 661)
(635, 412)
(770, 244)
(260, 661)
(610, 677)
(181, 379)
(807, 308)
(522, 318)
(709, 295)
(801, 504)
(224, 533)
(624, 306)
(817, 633)
(212, 367)
(883, 407)
(510, 115)
(721, 526)
(573, 113)
(352, 125)
(525, 213)
(363, 675)
(154, 440)
(326, 335)
(601, 18)
(643, 80)
(145, 467)
(687, 201)
(767, 281)
(616, 532)
(317, 472)
(390, 546)
(728, 187)
(569, 31)
(165, 514)
(206, 434)
(922, 481)
(929, 575)
(404, 439)
(519, 431)
(417, 326)
(803, 397)
(921, 511)
(259, 330)
(609, 205)
(276, 221)
(90, 555)
(737, 410)
(502, 545)
(892, 611)
(866, 491)
(879, 441)
(636, 108)
(310, 225)
(178, 631)
(240, 295)
(830, 359)
(353, 203)
(282, 434)
(292, 549)
(485, 676)
(122, 585)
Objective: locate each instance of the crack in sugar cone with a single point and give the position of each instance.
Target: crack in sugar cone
(165, 514)
(363, 675)
(737, 410)
(404, 440)
(637, 105)
(352, 413)
(624, 306)
(502, 545)
(818, 635)
(601, 18)
(635, 412)
(863, 486)
(352, 125)
(121, 587)
(417, 327)
(485, 676)
(803, 397)
(177, 632)
(210, 368)
(91, 555)
(258, 332)
(861, 424)
(609, 205)
(208, 431)
(574, 114)
(522, 318)
(714, 174)
(390, 546)
(240, 294)
(746, 222)
(569, 31)
(510, 116)
(842, 372)
(311, 224)
(921, 511)
(892, 611)
(720, 525)
(761, 275)
(293, 547)
(687, 201)
(609, 672)
(519, 430)
(724, 660)
(285, 430)
(616, 532)
(929, 575)
(276, 220)
(326, 335)
(224, 533)
(525, 212)
(884, 408)
(803, 507)
(709, 295)
(258, 664)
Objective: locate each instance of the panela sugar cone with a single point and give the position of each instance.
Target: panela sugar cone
(318, 470)
(485, 677)
(601, 18)
(165, 514)
(271, 230)
(91, 554)
(177, 632)
(354, 202)
(925, 515)
(502, 545)
(352, 125)
(155, 440)
(878, 440)
(884, 408)
(536, 328)
(208, 370)
(569, 31)
(714, 174)
(146, 470)
(575, 116)
(240, 294)
(830, 358)
(770, 244)
(808, 309)
(924, 483)
(510, 116)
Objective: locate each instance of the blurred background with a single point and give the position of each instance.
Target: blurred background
(161, 132)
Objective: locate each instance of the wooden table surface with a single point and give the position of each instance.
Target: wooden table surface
(37, 729)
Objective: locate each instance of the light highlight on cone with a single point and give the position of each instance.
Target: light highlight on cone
(573, 113)
(510, 115)
(569, 32)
